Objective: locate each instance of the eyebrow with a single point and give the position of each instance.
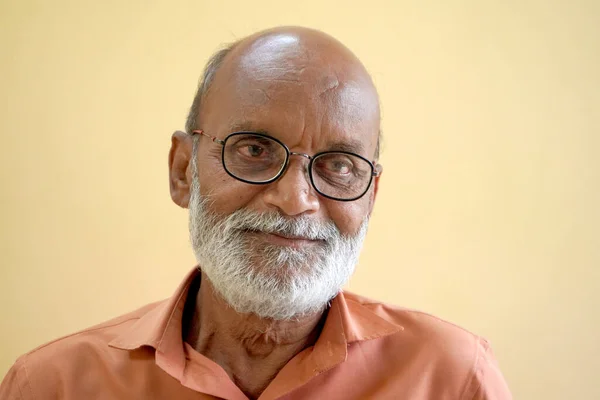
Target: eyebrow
(350, 145)
(245, 127)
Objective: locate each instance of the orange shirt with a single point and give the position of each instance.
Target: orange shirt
(366, 350)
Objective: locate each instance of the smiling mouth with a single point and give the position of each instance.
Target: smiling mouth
(281, 239)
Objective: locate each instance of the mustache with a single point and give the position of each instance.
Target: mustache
(275, 223)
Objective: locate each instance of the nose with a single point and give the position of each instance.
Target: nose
(292, 193)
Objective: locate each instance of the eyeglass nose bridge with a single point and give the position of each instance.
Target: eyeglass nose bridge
(303, 155)
(308, 157)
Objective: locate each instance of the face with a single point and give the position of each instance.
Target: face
(284, 235)
(276, 279)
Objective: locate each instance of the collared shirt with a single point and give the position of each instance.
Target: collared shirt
(366, 350)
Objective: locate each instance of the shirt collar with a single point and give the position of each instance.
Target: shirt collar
(348, 320)
(161, 328)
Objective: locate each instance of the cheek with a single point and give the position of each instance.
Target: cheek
(228, 193)
(348, 216)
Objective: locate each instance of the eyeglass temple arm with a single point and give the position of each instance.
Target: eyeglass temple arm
(376, 168)
(213, 138)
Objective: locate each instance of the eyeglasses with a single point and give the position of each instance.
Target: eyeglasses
(260, 159)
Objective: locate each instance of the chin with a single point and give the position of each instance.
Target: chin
(283, 263)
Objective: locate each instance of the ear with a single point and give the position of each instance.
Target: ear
(373, 196)
(180, 173)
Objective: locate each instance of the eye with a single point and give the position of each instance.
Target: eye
(338, 165)
(252, 150)
(341, 167)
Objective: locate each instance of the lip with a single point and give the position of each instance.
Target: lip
(294, 242)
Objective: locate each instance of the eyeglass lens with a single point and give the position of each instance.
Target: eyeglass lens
(259, 159)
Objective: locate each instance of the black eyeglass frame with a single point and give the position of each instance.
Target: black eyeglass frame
(375, 167)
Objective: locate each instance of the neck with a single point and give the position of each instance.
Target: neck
(252, 350)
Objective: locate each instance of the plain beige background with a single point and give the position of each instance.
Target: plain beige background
(488, 213)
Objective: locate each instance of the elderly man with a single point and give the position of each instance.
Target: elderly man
(279, 170)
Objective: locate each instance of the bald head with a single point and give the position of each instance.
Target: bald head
(312, 71)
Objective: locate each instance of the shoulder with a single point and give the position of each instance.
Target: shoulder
(418, 325)
(44, 368)
(440, 349)
(97, 335)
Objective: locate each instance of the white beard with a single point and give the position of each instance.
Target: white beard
(275, 282)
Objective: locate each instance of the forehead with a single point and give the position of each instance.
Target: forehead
(295, 92)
